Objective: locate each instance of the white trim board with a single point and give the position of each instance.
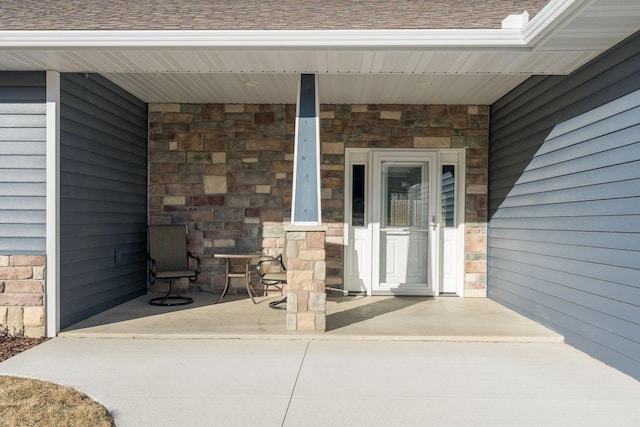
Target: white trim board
(52, 282)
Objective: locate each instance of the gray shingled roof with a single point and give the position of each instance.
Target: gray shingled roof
(258, 14)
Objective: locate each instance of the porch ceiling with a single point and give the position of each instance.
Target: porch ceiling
(438, 66)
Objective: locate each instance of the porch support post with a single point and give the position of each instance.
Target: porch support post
(52, 282)
(305, 208)
(305, 238)
(306, 273)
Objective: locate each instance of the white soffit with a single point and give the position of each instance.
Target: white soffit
(356, 66)
(303, 61)
(334, 88)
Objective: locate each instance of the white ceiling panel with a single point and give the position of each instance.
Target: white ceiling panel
(358, 76)
(209, 88)
(397, 66)
(334, 88)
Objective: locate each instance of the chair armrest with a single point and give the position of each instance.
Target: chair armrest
(281, 262)
(262, 260)
(152, 269)
(270, 261)
(198, 262)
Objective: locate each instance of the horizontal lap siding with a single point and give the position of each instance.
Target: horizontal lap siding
(564, 230)
(22, 163)
(103, 180)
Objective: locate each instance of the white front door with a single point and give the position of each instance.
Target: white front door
(404, 223)
(402, 227)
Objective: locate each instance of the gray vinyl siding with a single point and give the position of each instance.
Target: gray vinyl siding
(564, 205)
(103, 187)
(22, 163)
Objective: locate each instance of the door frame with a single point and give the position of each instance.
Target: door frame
(356, 281)
(431, 158)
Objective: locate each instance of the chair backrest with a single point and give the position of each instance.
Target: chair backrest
(284, 254)
(168, 247)
(284, 259)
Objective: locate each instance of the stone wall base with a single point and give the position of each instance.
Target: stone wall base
(22, 295)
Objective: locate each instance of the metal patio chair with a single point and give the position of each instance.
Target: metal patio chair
(273, 273)
(169, 260)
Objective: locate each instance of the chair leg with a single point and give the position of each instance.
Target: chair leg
(278, 304)
(171, 298)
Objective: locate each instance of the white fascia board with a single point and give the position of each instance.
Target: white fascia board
(264, 39)
(552, 18)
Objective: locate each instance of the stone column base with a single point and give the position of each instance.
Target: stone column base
(306, 274)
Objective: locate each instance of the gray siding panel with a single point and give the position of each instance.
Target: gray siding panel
(564, 205)
(103, 178)
(22, 94)
(22, 163)
(13, 148)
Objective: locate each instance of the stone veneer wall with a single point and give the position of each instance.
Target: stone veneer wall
(226, 172)
(22, 295)
(406, 127)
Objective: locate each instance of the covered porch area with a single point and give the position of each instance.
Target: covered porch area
(348, 318)
(214, 124)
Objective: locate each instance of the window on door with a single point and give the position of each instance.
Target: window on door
(406, 201)
(448, 195)
(358, 196)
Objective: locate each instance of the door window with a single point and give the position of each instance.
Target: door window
(358, 201)
(448, 195)
(405, 196)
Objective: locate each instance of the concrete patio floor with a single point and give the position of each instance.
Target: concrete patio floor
(318, 383)
(352, 317)
(384, 361)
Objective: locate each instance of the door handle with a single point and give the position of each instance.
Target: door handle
(433, 223)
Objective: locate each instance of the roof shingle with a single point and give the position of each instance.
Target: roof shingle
(259, 14)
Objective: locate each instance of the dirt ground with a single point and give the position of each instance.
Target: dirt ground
(10, 346)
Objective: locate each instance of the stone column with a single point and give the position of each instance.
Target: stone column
(306, 272)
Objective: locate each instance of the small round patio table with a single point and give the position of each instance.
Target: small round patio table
(228, 257)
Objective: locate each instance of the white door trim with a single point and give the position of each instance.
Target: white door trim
(457, 157)
(357, 257)
(52, 278)
(365, 156)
